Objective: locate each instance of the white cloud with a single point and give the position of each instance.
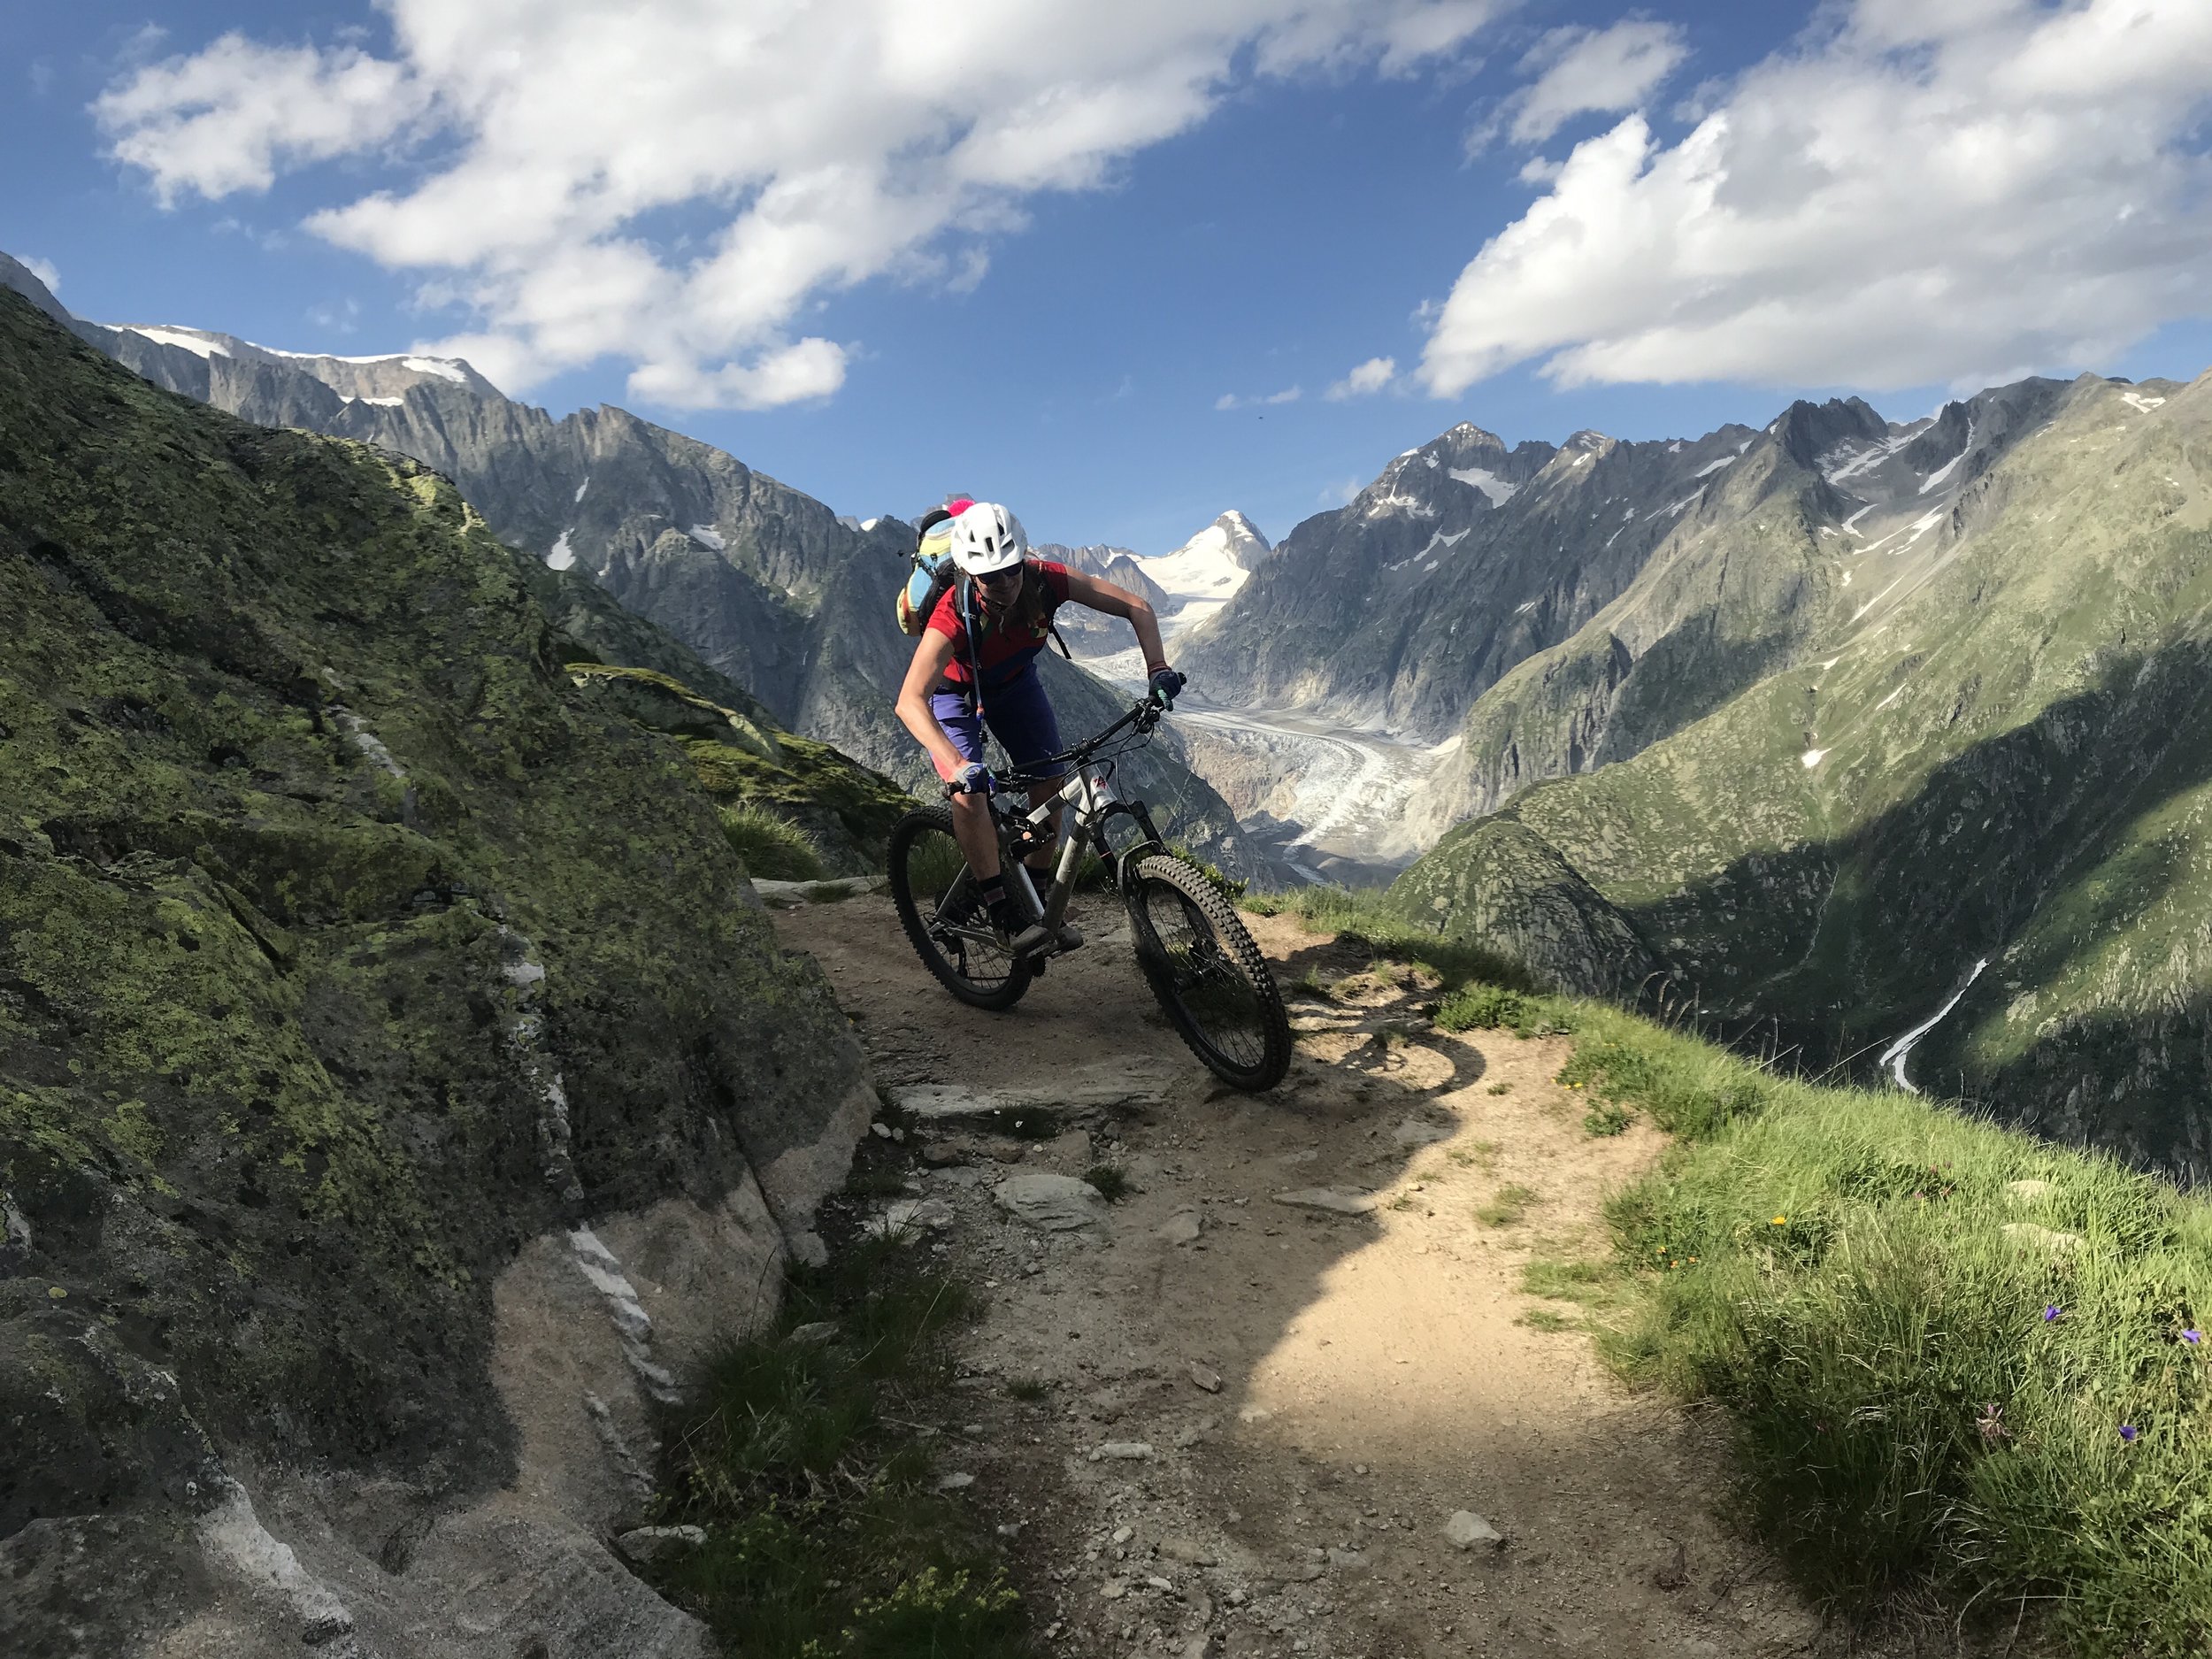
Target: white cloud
(43, 270)
(226, 119)
(1951, 190)
(1368, 377)
(1288, 395)
(821, 146)
(1341, 494)
(1587, 71)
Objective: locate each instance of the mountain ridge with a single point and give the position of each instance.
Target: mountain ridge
(763, 583)
(1962, 821)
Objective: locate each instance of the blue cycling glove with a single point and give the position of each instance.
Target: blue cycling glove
(972, 778)
(1166, 684)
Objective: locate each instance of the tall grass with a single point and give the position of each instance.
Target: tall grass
(1957, 1357)
(826, 1537)
(1941, 1371)
(770, 847)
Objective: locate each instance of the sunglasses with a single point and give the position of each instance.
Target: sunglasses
(995, 578)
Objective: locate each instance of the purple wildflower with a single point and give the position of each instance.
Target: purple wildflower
(2128, 1431)
(2050, 1313)
(2192, 1337)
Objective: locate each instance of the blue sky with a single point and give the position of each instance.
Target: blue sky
(1293, 212)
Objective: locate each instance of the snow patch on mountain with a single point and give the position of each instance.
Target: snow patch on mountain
(707, 536)
(563, 556)
(1488, 482)
(1209, 567)
(1934, 480)
(199, 345)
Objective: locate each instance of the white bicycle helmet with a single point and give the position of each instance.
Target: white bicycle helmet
(987, 538)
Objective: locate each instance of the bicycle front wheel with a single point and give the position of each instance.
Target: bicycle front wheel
(942, 913)
(1208, 973)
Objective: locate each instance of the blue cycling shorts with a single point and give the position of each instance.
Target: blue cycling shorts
(1018, 714)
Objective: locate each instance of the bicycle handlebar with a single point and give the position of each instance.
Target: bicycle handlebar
(1144, 715)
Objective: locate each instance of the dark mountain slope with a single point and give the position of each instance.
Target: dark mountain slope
(1988, 750)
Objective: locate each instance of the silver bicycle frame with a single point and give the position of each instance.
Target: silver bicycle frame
(1089, 797)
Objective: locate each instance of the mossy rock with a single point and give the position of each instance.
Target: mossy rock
(314, 863)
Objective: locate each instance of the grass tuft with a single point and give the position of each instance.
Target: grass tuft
(1608, 1118)
(770, 847)
(1507, 1206)
(1110, 1182)
(824, 1536)
(1547, 1319)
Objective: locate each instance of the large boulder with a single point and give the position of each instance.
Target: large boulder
(397, 1085)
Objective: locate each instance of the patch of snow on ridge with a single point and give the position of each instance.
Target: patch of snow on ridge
(2143, 405)
(1488, 482)
(1811, 758)
(1711, 467)
(445, 368)
(1949, 466)
(1892, 1060)
(563, 556)
(180, 338)
(1412, 506)
(381, 403)
(581, 487)
(707, 536)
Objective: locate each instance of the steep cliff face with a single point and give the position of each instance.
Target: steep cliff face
(1460, 561)
(762, 582)
(1981, 777)
(396, 1082)
(1754, 563)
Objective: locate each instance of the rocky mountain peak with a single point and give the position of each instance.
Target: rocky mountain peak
(1807, 431)
(384, 378)
(1233, 537)
(17, 275)
(1245, 543)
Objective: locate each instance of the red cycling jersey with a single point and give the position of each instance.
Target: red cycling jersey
(1005, 648)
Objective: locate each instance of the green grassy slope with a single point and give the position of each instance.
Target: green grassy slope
(1995, 755)
(1958, 1360)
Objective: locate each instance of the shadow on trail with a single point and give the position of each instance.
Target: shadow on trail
(1376, 1371)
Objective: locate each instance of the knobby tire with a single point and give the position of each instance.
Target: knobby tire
(917, 914)
(1210, 977)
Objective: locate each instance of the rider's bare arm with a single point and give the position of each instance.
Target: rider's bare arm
(1119, 602)
(931, 654)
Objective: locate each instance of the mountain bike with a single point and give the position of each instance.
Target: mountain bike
(1196, 955)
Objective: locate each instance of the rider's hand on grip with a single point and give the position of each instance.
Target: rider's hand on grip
(972, 778)
(1166, 684)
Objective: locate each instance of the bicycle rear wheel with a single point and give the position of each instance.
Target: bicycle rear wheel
(1208, 974)
(943, 917)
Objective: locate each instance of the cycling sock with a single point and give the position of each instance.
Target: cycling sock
(993, 888)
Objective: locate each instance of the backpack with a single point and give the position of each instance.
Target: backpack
(933, 573)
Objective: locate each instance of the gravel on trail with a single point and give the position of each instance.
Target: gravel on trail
(1285, 1396)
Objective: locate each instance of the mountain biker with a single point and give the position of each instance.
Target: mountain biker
(976, 667)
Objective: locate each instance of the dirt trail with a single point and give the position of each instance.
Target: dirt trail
(1374, 1371)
